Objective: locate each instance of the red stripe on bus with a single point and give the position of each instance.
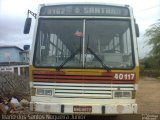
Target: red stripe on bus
(72, 77)
(83, 81)
(48, 72)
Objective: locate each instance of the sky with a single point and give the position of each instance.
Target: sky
(14, 12)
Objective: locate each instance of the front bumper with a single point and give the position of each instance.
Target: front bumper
(57, 108)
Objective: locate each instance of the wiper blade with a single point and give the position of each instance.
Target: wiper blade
(99, 59)
(68, 59)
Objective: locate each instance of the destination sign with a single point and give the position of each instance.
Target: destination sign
(84, 10)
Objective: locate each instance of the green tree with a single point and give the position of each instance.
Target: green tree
(152, 35)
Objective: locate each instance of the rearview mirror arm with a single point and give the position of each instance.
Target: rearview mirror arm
(32, 13)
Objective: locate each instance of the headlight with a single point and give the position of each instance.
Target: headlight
(118, 94)
(47, 92)
(122, 94)
(40, 91)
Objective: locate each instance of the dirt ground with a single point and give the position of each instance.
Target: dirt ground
(148, 95)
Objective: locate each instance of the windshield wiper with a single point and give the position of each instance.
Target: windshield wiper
(99, 59)
(76, 52)
(68, 59)
(96, 56)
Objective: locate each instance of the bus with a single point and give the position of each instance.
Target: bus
(84, 59)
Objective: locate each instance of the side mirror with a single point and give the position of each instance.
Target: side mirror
(27, 25)
(137, 30)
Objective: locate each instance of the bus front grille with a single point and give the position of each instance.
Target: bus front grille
(83, 91)
(79, 90)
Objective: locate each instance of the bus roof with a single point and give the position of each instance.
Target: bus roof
(85, 3)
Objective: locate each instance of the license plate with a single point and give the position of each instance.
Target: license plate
(82, 108)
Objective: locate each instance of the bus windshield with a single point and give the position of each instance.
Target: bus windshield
(82, 41)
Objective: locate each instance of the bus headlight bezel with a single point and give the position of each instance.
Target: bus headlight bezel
(122, 94)
(44, 92)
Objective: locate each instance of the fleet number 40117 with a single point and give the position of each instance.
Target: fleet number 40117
(126, 76)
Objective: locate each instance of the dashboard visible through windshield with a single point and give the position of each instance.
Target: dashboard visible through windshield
(84, 43)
